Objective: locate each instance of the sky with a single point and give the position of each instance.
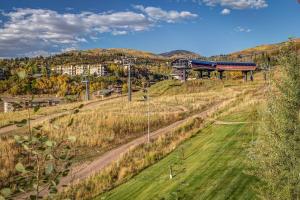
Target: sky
(208, 27)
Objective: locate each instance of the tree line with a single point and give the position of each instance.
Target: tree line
(21, 77)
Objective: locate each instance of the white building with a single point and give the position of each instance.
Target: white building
(81, 69)
(97, 70)
(67, 70)
(78, 70)
(117, 61)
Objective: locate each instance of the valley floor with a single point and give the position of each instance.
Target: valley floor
(211, 165)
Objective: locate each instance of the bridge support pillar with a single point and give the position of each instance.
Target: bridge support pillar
(220, 75)
(251, 76)
(183, 75)
(201, 74)
(245, 74)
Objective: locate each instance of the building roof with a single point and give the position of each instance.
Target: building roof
(236, 63)
(213, 63)
(202, 62)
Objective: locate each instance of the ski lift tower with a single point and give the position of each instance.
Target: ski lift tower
(128, 62)
(86, 81)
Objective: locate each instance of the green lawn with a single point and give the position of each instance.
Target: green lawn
(210, 165)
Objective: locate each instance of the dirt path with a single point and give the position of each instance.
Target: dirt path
(229, 123)
(41, 119)
(114, 154)
(88, 169)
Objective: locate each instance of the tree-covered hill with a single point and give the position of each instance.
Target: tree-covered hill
(180, 54)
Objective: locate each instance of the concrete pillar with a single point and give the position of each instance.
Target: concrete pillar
(221, 75)
(251, 76)
(200, 74)
(245, 76)
(184, 75)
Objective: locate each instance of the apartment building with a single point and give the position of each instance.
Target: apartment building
(78, 70)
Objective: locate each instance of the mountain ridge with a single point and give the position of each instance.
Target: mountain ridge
(117, 53)
(179, 53)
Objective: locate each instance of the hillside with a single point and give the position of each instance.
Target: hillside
(123, 51)
(141, 54)
(249, 53)
(90, 56)
(271, 49)
(180, 54)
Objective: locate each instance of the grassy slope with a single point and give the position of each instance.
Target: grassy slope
(213, 168)
(268, 48)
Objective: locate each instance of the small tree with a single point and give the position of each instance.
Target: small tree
(44, 161)
(48, 162)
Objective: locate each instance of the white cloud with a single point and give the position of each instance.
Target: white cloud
(37, 53)
(41, 30)
(242, 29)
(225, 11)
(236, 4)
(119, 32)
(69, 49)
(158, 14)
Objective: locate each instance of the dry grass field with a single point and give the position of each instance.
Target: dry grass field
(138, 159)
(105, 126)
(8, 118)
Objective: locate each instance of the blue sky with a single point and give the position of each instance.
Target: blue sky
(208, 27)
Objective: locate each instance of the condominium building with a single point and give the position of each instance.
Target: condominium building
(97, 70)
(78, 70)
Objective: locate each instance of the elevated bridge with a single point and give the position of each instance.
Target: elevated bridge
(204, 68)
